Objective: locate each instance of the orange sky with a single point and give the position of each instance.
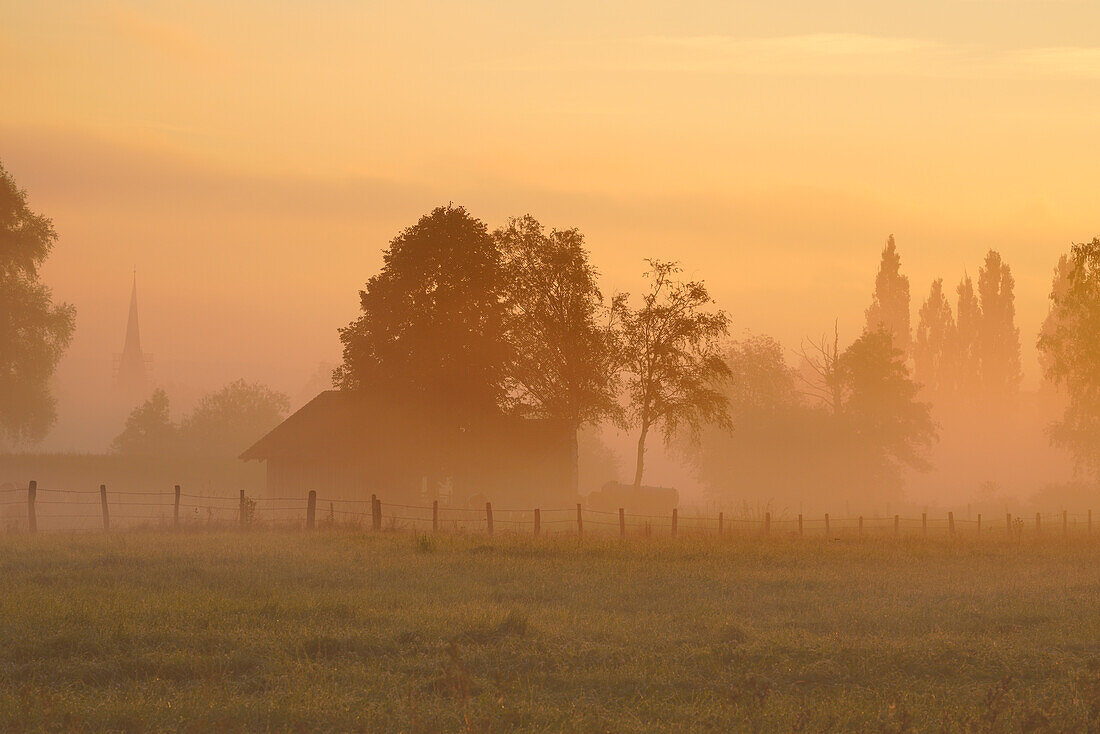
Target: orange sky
(252, 158)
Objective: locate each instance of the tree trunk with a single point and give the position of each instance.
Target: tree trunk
(640, 465)
(574, 469)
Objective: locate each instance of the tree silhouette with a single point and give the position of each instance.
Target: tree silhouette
(998, 338)
(33, 331)
(432, 322)
(562, 334)
(1059, 289)
(966, 353)
(224, 423)
(227, 421)
(149, 430)
(934, 346)
(887, 423)
(1072, 347)
(889, 307)
(672, 358)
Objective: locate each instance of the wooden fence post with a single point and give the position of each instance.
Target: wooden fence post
(979, 524)
(580, 521)
(951, 523)
(435, 516)
(103, 504)
(242, 511)
(32, 517)
(176, 509)
(1038, 522)
(622, 523)
(538, 522)
(376, 513)
(720, 519)
(674, 513)
(311, 508)
(489, 517)
(767, 523)
(800, 524)
(924, 523)
(897, 524)
(826, 523)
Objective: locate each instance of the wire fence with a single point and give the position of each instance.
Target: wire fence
(34, 509)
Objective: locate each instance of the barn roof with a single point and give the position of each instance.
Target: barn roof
(345, 422)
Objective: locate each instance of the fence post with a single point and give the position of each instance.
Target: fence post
(376, 513)
(674, 512)
(767, 523)
(897, 524)
(242, 518)
(176, 509)
(580, 521)
(720, 519)
(311, 508)
(800, 524)
(951, 522)
(979, 524)
(826, 523)
(538, 522)
(32, 517)
(1065, 522)
(622, 523)
(1038, 522)
(103, 504)
(435, 516)
(489, 517)
(924, 523)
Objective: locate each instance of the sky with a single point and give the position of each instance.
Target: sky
(251, 159)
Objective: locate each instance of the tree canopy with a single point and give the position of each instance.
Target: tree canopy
(672, 355)
(561, 332)
(1071, 346)
(889, 307)
(433, 321)
(223, 424)
(34, 332)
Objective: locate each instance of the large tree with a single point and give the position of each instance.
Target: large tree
(889, 307)
(998, 337)
(433, 321)
(34, 332)
(890, 428)
(933, 348)
(966, 353)
(1071, 347)
(1059, 289)
(673, 359)
(561, 332)
(223, 424)
(229, 420)
(149, 429)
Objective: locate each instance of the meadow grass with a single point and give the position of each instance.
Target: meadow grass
(349, 630)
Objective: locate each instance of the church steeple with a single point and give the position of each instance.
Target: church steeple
(132, 376)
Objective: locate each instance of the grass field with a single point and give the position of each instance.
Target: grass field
(342, 630)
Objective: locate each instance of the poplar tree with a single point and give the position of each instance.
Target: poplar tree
(933, 349)
(998, 337)
(966, 357)
(889, 307)
(34, 332)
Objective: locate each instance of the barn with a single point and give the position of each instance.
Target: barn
(350, 445)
